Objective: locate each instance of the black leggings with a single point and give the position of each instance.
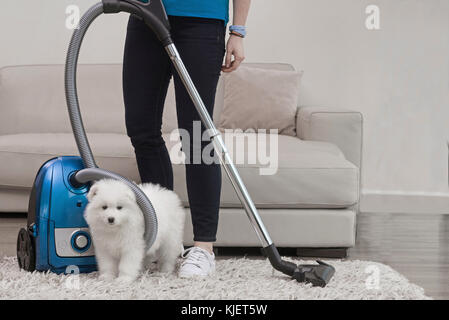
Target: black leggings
(147, 70)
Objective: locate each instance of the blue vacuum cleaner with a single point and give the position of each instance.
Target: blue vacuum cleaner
(57, 237)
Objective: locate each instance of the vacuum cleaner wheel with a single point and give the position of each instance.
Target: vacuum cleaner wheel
(25, 251)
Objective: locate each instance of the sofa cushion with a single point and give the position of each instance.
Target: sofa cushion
(25, 153)
(309, 174)
(33, 99)
(261, 99)
(41, 108)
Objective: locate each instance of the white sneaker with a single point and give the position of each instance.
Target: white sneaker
(198, 262)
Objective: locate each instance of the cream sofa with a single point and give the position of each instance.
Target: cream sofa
(311, 202)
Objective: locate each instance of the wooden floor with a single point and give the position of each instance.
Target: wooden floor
(415, 245)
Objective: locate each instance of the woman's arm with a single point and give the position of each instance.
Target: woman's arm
(234, 46)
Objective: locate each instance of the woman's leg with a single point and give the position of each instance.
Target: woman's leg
(201, 44)
(146, 75)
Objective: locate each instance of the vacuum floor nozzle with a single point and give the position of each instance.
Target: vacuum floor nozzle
(318, 275)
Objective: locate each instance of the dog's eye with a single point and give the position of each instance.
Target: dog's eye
(105, 207)
(119, 207)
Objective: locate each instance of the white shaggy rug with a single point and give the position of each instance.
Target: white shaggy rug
(235, 279)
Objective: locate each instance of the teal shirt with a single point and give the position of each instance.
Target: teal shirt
(215, 9)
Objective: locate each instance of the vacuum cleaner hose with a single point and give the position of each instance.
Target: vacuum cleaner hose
(71, 88)
(153, 13)
(92, 172)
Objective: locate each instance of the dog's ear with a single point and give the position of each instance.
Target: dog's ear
(130, 194)
(92, 192)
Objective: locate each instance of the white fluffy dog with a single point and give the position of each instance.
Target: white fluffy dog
(117, 227)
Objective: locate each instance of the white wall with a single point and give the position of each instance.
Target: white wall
(398, 76)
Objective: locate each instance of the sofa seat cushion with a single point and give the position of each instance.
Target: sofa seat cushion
(25, 153)
(309, 174)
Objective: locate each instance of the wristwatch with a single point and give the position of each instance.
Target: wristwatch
(239, 31)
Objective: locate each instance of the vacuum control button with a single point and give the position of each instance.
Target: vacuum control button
(81, 241)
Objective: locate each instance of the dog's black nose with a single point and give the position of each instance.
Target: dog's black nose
(111, 220)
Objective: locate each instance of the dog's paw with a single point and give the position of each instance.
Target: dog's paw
(106, 277)
(124, 280)
(167, 268)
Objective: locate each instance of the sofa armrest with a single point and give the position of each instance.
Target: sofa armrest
(341, 127)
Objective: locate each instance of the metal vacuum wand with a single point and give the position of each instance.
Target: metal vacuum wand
(318, 275)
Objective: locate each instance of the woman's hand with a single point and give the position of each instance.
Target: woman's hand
(234, 48)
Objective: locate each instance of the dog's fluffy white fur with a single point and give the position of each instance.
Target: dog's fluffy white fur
(117, 227)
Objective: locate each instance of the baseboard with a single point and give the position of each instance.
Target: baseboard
(404, 202)
(333, 253)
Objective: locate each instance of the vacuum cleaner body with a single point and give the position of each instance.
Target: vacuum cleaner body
(56, 228)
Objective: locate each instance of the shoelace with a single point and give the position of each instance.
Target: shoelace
(194, 255)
